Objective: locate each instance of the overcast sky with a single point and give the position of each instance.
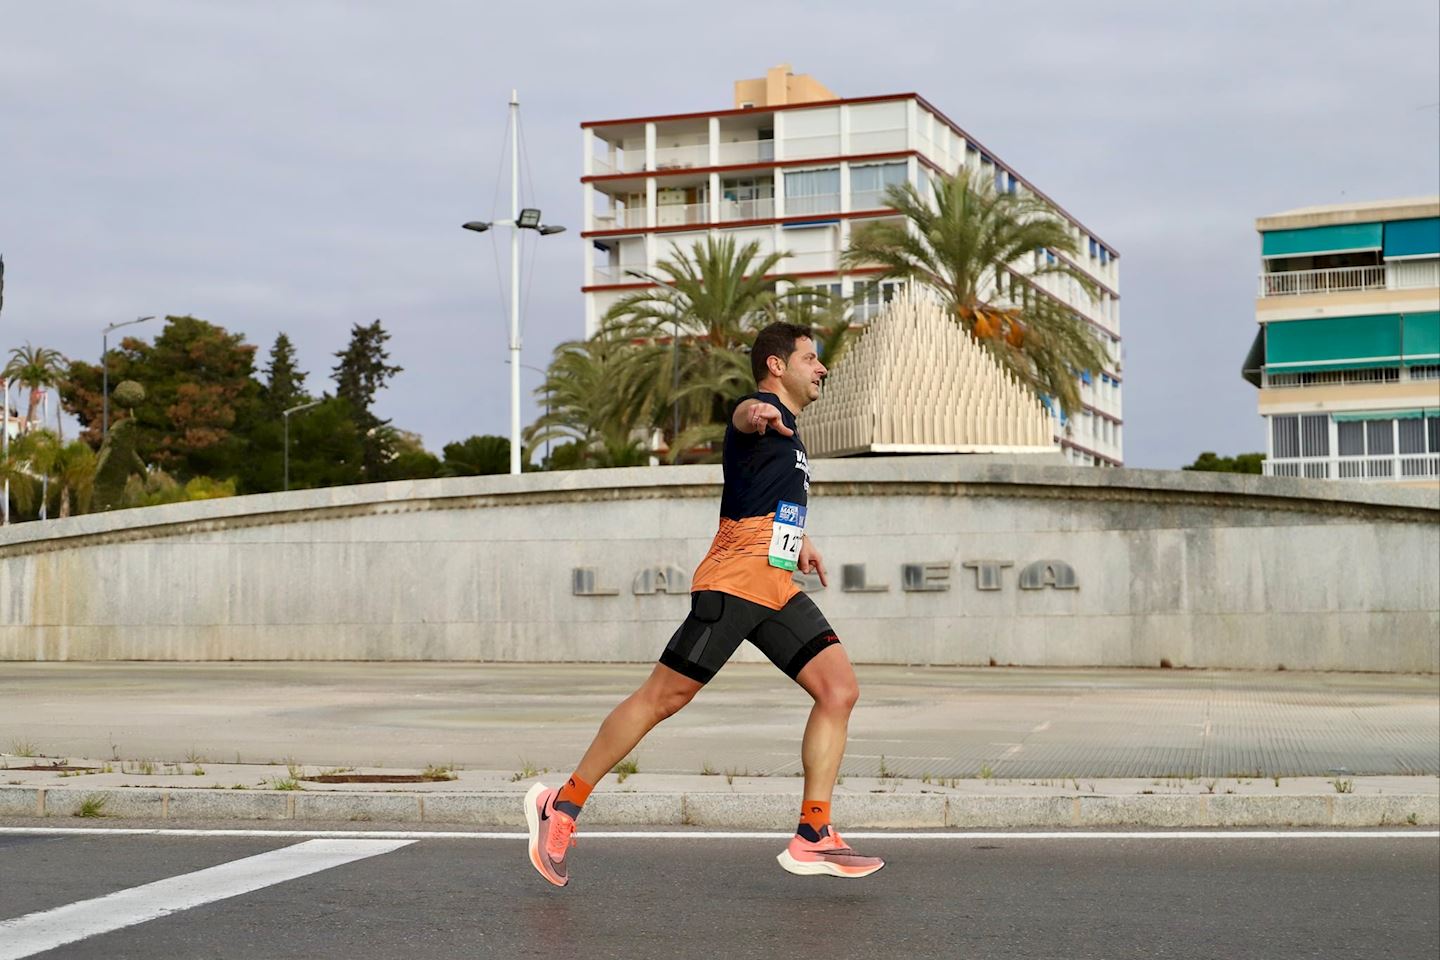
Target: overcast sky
(302, 166)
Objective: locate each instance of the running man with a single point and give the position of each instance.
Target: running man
(742, 590)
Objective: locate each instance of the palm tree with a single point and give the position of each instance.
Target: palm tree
(17, 469)
(74, 472)
(963, 244)
(592, 401)
(39, 368)
(713, 299)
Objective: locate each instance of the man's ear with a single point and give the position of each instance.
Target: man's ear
(775, 365)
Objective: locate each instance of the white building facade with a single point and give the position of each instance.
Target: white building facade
(1347, 354)
(799, 177)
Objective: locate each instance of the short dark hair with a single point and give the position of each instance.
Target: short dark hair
(776, 340)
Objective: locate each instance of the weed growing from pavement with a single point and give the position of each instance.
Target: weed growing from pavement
(885, 772)
(445, 772)
(199, 771)
(194, 756)
(22, 748)
(1413, 819)
(986, 773)
(1210, 786)
(295, 770)
(92, 805)
(624, 768)
(526, 771)
(706, 770)
(114, 747)
(1343, 786)
(288, 783)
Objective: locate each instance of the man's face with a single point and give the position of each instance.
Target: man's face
(803, 372)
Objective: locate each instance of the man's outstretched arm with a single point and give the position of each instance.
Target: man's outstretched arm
(757, 416)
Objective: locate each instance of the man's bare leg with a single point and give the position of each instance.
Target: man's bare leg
(830, 680)
(662, 694)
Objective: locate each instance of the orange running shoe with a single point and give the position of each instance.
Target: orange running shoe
(552, 833)
(830, 855)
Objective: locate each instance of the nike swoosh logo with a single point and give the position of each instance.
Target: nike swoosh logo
(543, 814)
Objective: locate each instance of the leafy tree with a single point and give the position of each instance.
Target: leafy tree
(476, 456)
(200, 391)
(360, 374)
(966, 243)
(326, 448)
(411, 461)
(1240, 463)
(284, 380)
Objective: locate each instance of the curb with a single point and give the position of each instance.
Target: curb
(738, 810)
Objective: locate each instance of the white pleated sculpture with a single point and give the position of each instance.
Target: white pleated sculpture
(915, 382)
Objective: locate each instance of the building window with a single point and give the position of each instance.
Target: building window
(1285, 437)
(1380, 437)
(1315, 436)
(870, 297)
(812, 191)
(1412, 436)
(868, 184)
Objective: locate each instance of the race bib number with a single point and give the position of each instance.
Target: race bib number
(787, 534)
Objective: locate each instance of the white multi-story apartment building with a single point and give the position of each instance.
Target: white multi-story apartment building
(1347, 354)
(796, 168)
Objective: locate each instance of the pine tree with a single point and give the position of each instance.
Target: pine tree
(361, 372)
(285, 382)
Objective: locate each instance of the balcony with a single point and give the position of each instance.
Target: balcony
(682, 157)
(760, 208)
(1396, 275)
(804, 206)
(747, 151)
(1332, 280)
(868, 200)
(1404, 466)
(679, 214)
(621, 218)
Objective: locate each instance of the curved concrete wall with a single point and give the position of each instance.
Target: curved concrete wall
(951, 560)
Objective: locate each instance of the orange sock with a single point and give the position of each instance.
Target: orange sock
(573, 795)
(814, 814)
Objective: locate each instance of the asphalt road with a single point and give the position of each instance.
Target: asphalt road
(1012, 896)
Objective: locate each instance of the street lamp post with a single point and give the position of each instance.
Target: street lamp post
(286, 415)
(542, 372)
(526, 219)
(105, 371)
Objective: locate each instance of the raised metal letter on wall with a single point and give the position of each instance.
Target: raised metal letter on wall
(661, 580)
(584, 582)
(1049, 573)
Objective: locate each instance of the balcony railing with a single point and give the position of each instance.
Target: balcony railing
(620, 219)
(623, 273)
(868, 200)
(677, 214)
(1332, 280)
(761, 208)
(747, 151)
(805, 206)
(1404, 466)
(680, 158)
(1395, 275)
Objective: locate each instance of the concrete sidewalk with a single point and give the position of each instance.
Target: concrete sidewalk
(930, 747)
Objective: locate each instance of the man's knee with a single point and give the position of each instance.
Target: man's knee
(840, 693)
(666, 699)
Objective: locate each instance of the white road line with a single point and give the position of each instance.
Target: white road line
(1298, 833)
(47, 929)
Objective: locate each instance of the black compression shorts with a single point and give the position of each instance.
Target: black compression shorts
(790, 637)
